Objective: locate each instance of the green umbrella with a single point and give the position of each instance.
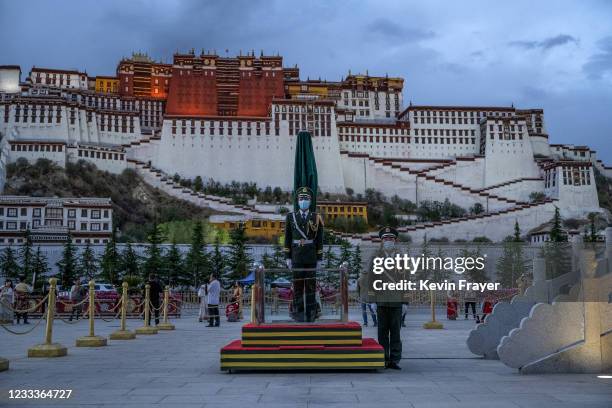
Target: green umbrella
(305, 171)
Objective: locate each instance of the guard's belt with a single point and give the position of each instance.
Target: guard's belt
(303, 241)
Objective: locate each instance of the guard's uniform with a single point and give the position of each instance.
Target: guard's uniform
(388, 305)
(304, 247)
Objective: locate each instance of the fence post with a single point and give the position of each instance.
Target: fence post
(92, 340)
(344, 291)
(433, 324)
(123, 333)
(260, 297)
(48, 348)
(147, 328)
(165, 324)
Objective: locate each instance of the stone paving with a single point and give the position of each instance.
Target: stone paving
(181, 369)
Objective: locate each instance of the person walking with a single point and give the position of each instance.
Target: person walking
(22, 299)
(7, 300)
(469, 300)
(77, 294)
(203, 296)
(155, 290)
(214, 292)
(362, 291)
(388, 303)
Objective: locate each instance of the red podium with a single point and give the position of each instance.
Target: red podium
(334, 345)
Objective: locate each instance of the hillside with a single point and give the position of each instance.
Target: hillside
(135, 204)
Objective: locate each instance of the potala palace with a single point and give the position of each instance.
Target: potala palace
(235, 119)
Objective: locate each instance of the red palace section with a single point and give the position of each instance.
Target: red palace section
(207, 85)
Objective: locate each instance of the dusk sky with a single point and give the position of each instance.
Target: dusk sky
(556, 55)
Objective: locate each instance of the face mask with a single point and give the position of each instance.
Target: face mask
(388, 245)
(304, 204)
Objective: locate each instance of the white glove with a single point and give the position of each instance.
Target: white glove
(288, 262)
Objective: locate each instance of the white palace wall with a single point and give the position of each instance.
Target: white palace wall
(226, 158)
(507, 160)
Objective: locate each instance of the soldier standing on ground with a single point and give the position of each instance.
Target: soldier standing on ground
(388, 304)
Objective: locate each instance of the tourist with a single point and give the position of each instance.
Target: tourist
(7, 300)
(362, 291)
(404, 313)
(237, 298)
(77, 294)
(203, 297)
(487, 307)
(389, 305)
(22, 299)
(469, 300)
(155, 290)
(451, 305)
(214, 292)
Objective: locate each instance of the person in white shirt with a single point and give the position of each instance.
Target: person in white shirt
(203, 295)
(214, 291)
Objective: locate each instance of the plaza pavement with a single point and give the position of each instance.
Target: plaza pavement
(181, 369)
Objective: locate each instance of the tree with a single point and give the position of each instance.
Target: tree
(197, 184)
(345, 253)
(278, 256)
(477, 209)
(537, 196)
(129, 265)
(267, 261)
(423, 273)
(26, 256)
(217, 262)
(109, 264)
(356, 262)
(197, 265)
(8, 264)
(67, 265)
(590, 234)
(557, 251)
(556, 232)
(330, 260)
(40, 268)
(173, 267)
(517, 232)
(511, 264)
(153, 263)
(475, 274)
(88, 264)
(438, 273)
(239, 257)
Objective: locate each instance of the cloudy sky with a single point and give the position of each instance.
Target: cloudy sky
(556, 55)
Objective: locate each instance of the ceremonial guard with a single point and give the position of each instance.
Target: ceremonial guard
(303, 254)
(388, 303)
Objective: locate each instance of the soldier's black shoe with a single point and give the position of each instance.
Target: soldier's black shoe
(392, 365)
